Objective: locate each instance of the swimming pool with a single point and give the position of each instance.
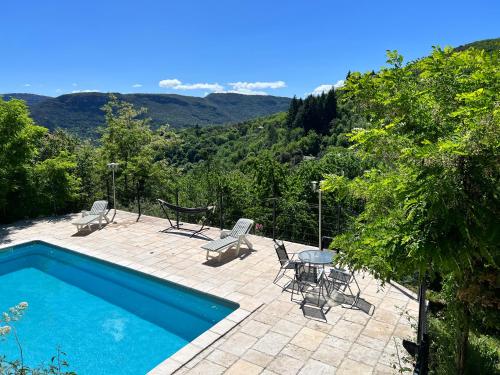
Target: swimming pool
(107, 318)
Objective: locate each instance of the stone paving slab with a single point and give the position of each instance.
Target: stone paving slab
(269, 334)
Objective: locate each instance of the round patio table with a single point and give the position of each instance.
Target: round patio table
(315, 256)
(318, 259)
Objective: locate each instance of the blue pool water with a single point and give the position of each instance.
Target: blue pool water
(109, 320)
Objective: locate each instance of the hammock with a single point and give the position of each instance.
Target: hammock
(165, 206)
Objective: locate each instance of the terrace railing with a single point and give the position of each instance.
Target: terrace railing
(277, 217)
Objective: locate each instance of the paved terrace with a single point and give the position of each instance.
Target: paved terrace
(268, 334)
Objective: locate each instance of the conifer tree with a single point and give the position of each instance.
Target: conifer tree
(292, 111)
(329, 111)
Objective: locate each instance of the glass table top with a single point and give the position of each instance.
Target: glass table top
(317, 257)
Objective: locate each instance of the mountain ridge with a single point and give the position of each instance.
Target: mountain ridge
(81, 113)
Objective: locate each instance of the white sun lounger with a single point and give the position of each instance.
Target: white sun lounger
(235, 237)
(96, 213)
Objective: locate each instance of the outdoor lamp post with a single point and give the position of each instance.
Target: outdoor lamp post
(113, 167)
(316, 186)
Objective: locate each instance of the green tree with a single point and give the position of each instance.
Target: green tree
(53, 143)
(314, 113)
(308, 114)
(92, 185)
(432, 197)
(56, 185)
(329, 111)
(295, 104)
(82, 157)
(269, 175)
(125, 140)
(19, 138)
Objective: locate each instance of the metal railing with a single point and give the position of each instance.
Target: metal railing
(295, 221)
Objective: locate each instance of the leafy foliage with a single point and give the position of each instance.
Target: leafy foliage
(432, 197)
(19, 137)
(410, 155)
(57, 363)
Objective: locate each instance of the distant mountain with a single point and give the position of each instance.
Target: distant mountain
(81, 113)
(488, 45)
(30, 99)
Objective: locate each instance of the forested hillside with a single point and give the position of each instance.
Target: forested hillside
(307, 130)
(488, 45)
(409, 156)
(32, 100)
(81, 113)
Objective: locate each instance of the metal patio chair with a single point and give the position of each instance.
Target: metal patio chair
(286, 262)
(310, 282)
(341, 280)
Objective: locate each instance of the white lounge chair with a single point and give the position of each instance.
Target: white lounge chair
(96, 213)
(229, 239)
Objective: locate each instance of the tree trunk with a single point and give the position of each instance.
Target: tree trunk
(463, 340)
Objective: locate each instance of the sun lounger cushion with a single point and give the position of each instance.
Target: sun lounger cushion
(220, 244)
(84, 220)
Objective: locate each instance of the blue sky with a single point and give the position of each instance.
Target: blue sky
(193, 47)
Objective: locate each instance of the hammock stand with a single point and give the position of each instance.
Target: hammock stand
(165, 206)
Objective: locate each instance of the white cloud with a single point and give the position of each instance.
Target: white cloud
(245, 88)
(169, 83)
(136, 85)
(339, 83)
(322, 89)
(178, 85)
(200, 86)
(254, 88)
(74, 84)
(58, 90)
(88, 90)
(244, 92)
(27, 85)
(327, 87)
(257, 85)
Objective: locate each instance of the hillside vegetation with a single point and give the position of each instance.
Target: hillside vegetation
(409, 156)
(81, 113)
(488, 45)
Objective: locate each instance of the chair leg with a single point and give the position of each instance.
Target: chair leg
(320, 290)
(329, 286)
(294, 283)
(248, 243)
(356, 298)
(279, 275)
(238, 245)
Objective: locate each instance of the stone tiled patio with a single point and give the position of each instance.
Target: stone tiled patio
(269, 334)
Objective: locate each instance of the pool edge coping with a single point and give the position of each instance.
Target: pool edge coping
(179, 359)
(186, 354)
